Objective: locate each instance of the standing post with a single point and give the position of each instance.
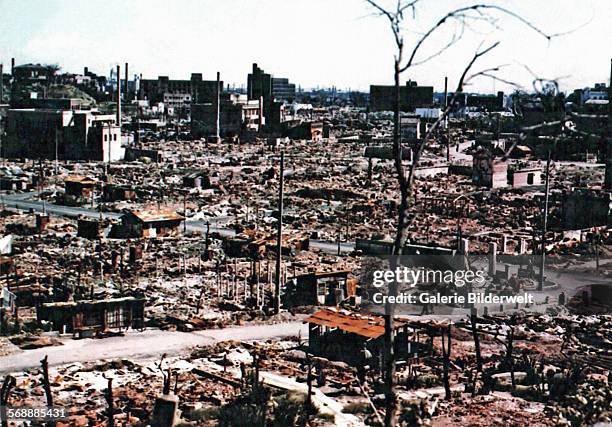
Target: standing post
(46, 384)
(544, 223)
(108, 395)
(218, 110)
(185, 212)
(279, 236)
(446, 119)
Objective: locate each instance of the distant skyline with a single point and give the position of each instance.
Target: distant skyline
(312, 42)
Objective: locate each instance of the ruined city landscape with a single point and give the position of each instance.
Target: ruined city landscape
(200, 249)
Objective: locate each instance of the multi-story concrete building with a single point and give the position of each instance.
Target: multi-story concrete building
(265, 85)
(412, 96)
(181, 93)
(65, 134)
(236, 114)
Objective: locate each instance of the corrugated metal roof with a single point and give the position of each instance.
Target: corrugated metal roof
(80, 179)
(365, 326)
(151, 215)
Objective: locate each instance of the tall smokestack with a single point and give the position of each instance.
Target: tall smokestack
(119, 97)
(12, 66)
(127, 79)
(608, 177)
(217, 122)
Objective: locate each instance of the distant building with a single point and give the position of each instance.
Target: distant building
(273, 91)
(265, 85)
(412, 97)
(410, 127)
(34, 73)
(598, 92)
(176, 91)
(487, 171)
(236, 115)
(282, 89)
(485, 102)
(62, 133)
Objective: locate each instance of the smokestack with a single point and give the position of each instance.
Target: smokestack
(12, 66)
(127, 91)
(1, 84)
(217, 123)
(260, 127)
(119, 97)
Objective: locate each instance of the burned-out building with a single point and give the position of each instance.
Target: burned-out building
(586, 208)
(412, 96)
(164, 88)
(64, 134)
(261, 84)
(312, 131)
(321, 288)
(79, 186)
(150, 223)
(237, 114)
(344, 335)
(488, 171)
(88, 317)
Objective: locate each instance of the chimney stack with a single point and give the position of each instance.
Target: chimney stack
(1, 84)
(119, 97)
(127, 90)
(12, 66)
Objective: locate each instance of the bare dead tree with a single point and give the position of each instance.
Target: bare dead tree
(401, 64)
(475, 336)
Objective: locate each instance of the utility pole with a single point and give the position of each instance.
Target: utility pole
(544, 223)
(279, 236)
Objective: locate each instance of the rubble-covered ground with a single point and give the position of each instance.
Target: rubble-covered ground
(560, 359)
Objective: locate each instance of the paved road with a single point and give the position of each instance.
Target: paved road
(142, 345)
(19, 201)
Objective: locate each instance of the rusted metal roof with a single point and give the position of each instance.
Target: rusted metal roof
(154, 215)
(365, 326)
(80, 179)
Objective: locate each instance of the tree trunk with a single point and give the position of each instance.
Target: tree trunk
(390, 394)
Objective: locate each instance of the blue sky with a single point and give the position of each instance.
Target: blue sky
(312, 42)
